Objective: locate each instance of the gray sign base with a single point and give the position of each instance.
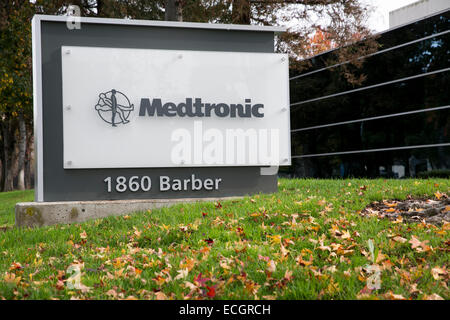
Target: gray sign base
(37, 214)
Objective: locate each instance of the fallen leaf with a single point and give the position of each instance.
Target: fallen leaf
(60, 285)
(331, 269)
(419, 245)
(276, 239)
(323, 248)
(399, 239)
(159, 280)
(284, 251)
(112, 293)
(160, 296)
(364, 293)
(288, 275)
(393, 296)
(137, 233)
(271, 266)
(398, 220)
(436, 272)
(305, 263)
(15, 266)
(201, 281)
(380, 257)
(391, 205)
(346, 235)
(83, 288)
(182, 274)
(211, 291)
(223, 263)
(205, 250)
(433, 296)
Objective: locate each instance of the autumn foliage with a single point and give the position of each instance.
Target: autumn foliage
(319, 42)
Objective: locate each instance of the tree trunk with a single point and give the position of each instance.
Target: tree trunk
(22, 150)
(241, 12)
(29, 157)
(8, 153)
(100, 8)
(2, 158)
(173, 10)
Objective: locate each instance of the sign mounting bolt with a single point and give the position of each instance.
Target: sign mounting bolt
(68, 108)
(68, 51)
(180, 56)
(69, 163)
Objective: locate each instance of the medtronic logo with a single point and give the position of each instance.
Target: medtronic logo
(114, 107)
(196, 108)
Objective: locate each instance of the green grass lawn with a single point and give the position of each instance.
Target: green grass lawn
(8, 201)
(307, 241)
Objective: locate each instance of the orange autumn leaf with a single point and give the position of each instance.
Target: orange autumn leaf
(305, 263)
(205, 250)
(391, 205)
(390, 295)
(159, 280)
(420, 246)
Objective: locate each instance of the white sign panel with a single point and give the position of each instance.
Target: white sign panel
(130, 108)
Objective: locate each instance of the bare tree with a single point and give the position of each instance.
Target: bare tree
(22, 151)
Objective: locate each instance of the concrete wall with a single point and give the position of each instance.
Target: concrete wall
(416, 10)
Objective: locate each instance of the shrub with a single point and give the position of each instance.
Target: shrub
(441, 173)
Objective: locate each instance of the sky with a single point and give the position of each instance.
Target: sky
(379, 19)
